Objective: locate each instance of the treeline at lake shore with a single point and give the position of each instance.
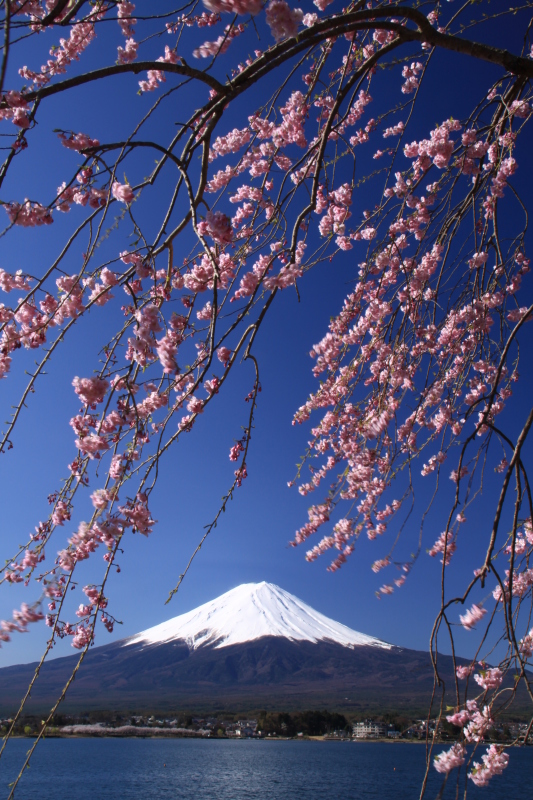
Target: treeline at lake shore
(261, 725)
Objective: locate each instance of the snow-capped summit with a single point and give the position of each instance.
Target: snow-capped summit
(249, 612)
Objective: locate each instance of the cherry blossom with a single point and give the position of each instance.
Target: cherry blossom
(414, 420)
(489, 679)
(90, 390)
(494, 761)
(472, 616)
(450, 759)
(282, 20)
(122, 192)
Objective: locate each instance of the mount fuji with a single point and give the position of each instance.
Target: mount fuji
(249, 612)
(256, 646)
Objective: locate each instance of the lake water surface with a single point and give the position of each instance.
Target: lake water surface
(188, 769)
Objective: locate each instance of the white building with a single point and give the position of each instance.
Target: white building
(368, 729)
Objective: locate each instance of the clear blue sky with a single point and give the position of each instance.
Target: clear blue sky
(251, 541)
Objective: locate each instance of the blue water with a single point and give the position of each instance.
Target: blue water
(134, 769)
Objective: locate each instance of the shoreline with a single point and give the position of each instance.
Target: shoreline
(167, 736)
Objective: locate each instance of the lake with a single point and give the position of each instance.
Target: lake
(188, 769)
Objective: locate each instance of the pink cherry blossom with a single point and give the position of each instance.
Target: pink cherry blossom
(472, 616)
(224, 355)
(282, 21)
(126, 20)
(28, 214)
(128, 54)
(450, 759)
(78, 141)
(464, 672)
(234, 6)
(122, 192)
(90, 390)
(490, 678)
(494, 761)
(444, 545)
(218, 226)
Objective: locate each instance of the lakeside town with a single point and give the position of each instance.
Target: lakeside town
(319, 725)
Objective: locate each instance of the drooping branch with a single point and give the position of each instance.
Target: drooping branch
(120, 69)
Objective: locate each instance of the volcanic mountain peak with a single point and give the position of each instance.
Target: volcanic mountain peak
(249, 612)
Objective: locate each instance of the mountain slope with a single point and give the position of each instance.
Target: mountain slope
(269, 672)
(254, 647)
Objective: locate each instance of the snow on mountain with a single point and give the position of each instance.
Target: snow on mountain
(249, 612)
